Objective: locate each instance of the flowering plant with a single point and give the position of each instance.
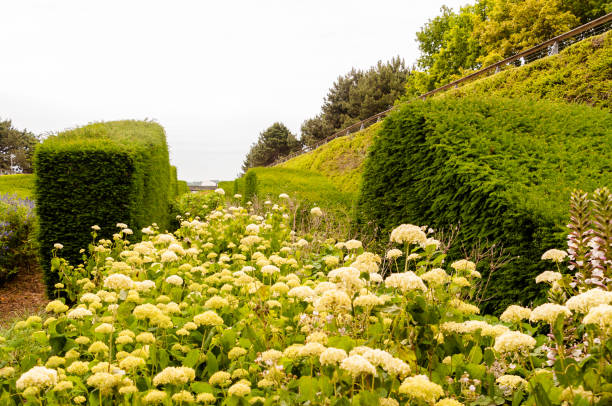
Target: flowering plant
(236, 308)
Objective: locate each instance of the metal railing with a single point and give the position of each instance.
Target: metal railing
(551, 47)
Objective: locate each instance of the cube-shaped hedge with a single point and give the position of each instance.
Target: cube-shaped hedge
(100, 174)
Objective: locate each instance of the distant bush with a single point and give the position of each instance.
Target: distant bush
(17, 239)
(198, 204)
(502, 169)
(101, 174)
(250, 186)
(20, 185)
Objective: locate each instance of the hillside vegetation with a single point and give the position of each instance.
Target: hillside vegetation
(340, 160)
(581, 73)
(20, 185)
(502, 169)
(308, 187)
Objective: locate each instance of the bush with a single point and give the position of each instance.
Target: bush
(100, 174)
(250, 186)
(503, 169)
(17, 242)
(20, 185)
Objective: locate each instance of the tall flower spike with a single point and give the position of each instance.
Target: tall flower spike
(580, 235)
(601, 253)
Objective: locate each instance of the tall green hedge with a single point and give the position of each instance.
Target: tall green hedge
(502, 169)
(100, 174)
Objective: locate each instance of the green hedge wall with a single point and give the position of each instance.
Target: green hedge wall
(102, 174)
(503, 169)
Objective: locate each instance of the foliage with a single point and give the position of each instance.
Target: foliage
(20, 185)
(198, 204)
(455, 43)
(101, 174)
(18, 143)
(356, 96)
(250, 186)
(274, 142)
(236, 309)
(340, 160)
(501, 169)
(579, 74)
(18, 249)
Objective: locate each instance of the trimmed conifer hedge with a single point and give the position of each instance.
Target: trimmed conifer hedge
(501, 168)
(101, 174)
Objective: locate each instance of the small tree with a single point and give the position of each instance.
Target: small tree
(16, 147)
(274, 142)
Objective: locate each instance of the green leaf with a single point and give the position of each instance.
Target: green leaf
(211, 363)
(192, 358)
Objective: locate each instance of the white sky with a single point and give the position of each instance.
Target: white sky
(214, 74)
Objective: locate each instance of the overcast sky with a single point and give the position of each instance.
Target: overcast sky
(214, 74)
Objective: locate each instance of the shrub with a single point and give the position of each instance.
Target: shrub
(100, 174)
(250, 186)
(17, 242)
(503, 169)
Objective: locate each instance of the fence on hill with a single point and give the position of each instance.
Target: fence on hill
(551, 47)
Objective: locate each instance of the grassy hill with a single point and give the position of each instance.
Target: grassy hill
(20, 185)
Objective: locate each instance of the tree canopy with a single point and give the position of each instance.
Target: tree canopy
(478, 35)
(355, 96)
(18, 144)
(274, 142)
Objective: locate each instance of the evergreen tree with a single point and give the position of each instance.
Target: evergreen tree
(274, 142)
(18, 144)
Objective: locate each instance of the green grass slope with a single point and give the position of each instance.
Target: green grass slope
(20, 185)
(581, 73)
(309, 188)
(340, 160)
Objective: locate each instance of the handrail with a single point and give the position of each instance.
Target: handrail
(496, 66)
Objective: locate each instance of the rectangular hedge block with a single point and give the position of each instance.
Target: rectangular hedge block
(100, 174)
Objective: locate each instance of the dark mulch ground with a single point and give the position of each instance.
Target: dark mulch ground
(22, 295)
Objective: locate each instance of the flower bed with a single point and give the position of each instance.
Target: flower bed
(17, 243)
(234, 308)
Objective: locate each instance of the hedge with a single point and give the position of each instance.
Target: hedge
(101, 174)
(502, 169)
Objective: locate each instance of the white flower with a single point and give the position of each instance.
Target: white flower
(316, 211)
(408, 233)
(174, 280)
(220, 191)
(37, 377)
(554, 255)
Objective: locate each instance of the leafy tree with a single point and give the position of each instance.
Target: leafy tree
(315, 129)
(274, 142)
(19, 144)
(514, 25)
(587, 10)
(355, 96)
(454, 43)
